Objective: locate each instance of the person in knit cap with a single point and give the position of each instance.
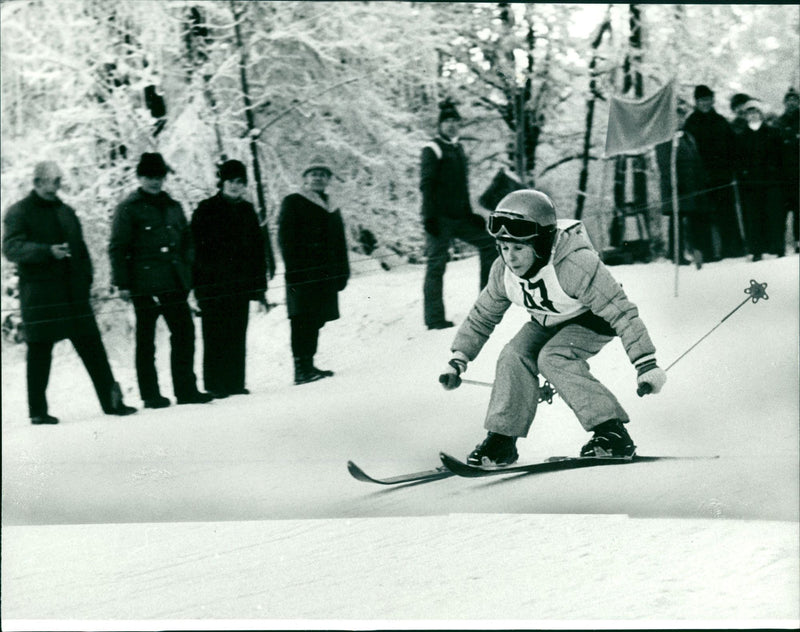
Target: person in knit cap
(447, 212)
(790, 137)
(151, 254)
(758, 173)
(229, 271)
(312, 241)
(739, 120)
(714, 138)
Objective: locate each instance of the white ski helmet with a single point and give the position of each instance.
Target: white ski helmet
(521, 215)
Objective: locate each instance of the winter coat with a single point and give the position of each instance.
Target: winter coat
(690, 173)
(444, 180)
(788, 124)
(229, 254)
(501, 185)
(314, 249)
(758, 157)
(576, 280)
(714, 138)
(151, 246)
(53, 293)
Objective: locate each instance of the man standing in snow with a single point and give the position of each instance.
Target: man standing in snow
(790, 180)
(758, 155)
(43, 236)
(576, 307)
(714, 138)
(151, 260)
(314, 248)
(447, 212)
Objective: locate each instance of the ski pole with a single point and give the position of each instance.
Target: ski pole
(756, 291)
(546, 390)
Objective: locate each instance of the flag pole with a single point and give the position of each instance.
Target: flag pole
(673, 176)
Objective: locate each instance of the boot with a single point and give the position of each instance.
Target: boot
(610, 440)
(496, 449)
(304, 371)
(320, 372)
(115, 405)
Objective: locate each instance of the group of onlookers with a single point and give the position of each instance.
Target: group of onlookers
(157, 258)
(737, 180)
(748, 182)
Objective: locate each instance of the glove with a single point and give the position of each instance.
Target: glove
(432, 226)
(650, 377)
(451, 376)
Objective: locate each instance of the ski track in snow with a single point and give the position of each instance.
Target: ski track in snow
(243, 509)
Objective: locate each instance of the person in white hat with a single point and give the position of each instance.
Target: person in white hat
(758, 157)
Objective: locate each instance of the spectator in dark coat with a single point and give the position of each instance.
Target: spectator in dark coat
(714, 139)
(312, 241)
(693, 225)
(790, 180)
(151, 261)
(229, 271)
(447, 213)
(758, 162)
(43, 236)
(739, 120)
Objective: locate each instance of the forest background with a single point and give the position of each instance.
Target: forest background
(92, 84)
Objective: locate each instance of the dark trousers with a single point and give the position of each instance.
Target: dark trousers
(725, 219)
(224, 340)
(305, 335)
(437, 250)
(93, 354)
(694, 234)
(175, 310)
(791, 192)
(764, 219)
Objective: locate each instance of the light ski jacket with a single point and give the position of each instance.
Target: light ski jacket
(573, 287)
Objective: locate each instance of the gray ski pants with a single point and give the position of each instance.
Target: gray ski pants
(562, 359)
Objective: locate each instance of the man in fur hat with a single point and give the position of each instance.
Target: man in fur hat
(151, 255)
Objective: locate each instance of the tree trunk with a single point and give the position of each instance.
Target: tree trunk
(634, 169)
(583, 179)
(253, 134)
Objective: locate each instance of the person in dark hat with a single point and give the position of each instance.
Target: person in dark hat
(714, 139)
(739, 120)
(230, 270)
(790, 177)
(43, 237)
(312, 241)
(758, 171)
(151, 254)
(447, 212)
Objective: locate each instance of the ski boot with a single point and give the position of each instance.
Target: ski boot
(496, 449)
(610, 440)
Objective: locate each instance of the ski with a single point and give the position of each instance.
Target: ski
(414, 477)
(553, 464)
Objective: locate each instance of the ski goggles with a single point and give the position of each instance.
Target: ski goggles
(500, 226)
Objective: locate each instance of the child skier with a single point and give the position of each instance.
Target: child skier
(549, 268)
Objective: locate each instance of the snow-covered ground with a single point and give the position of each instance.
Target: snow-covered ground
(241, 513)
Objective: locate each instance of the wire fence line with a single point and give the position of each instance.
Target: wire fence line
(412, 257)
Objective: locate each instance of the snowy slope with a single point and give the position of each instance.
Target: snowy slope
(243, 509)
